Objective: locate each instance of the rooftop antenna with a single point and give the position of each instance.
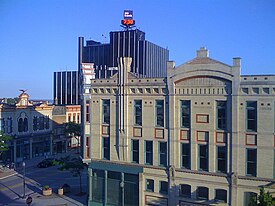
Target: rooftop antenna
(128, 22)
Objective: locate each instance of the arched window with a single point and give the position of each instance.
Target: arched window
(25, 124)
(20, 125)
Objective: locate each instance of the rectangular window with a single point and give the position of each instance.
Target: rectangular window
(185, 113)
(185, 191)
(221, 115)
(251, 162)
(138, 112)
(149, 185)
(163, 154)
(135, 151)
(106, 148)
(202, 193)
(163, 187)
(88, 111)
(149, 152)
(251, 116)
(106, 111)
(203, 157)
(221, 159)
(221, 195)
(185, 155)
(160, 113)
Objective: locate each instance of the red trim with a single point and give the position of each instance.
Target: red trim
(198, 136)
(203, 115)
(108, 129)
(134, 134)
(156, 133)
(255, 144)
(188, 134)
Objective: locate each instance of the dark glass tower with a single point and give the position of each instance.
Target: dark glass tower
(148, 59)
(66, 88)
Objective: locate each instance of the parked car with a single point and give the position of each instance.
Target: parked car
(46, 163)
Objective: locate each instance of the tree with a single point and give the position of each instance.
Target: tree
(12, 101)
(74, 165)
(4, 139)
(264, 199)
(73, 130)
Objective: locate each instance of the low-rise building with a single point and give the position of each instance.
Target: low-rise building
(30, 126)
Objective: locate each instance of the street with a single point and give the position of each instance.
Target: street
(11, 188)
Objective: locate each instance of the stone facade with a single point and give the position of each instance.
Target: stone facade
(202, 136)
(30, 126)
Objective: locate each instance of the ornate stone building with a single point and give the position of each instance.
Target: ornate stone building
(204, 135)
(31, 128)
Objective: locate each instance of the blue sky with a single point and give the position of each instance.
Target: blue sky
(38, 37)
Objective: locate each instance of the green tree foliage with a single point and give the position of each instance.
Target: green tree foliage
(264, 199)
(72, 129)
(4, 139)
(74, 165)
(12, 101)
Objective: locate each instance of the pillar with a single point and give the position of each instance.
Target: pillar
(31, 148)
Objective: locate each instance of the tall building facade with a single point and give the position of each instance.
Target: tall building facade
(148, 59)
(66, 88)
(203, 135)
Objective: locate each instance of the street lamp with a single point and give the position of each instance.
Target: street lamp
(24, 182)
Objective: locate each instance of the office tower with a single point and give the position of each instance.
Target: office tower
(66, 90)
(148, 59)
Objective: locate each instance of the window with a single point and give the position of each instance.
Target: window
(248, 196)
(135, 151)
(20, 125)
(87, 111)
(159, 113)
(185, 113)
(41, 123)
(47, 119)
(221, 195)
(185, 155)
(251, 116)
(163, 154)
(150, 185)
(9, 125)
(163, 187)
(185, 190)
(251, 162)
(221, 115)
(203, 157)
(106, 111)
(149, 152)
(138, 112)
(106, 148)
(202, 193)
(35, 123)
(221, 159)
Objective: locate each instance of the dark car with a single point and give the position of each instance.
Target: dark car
(46, 163)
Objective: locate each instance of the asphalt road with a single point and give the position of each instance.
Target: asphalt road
(11, 188)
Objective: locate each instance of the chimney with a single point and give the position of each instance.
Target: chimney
(203, 52)
(236, 61)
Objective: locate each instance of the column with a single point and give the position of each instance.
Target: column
(90, 186)
(105, 186)
(14, 151)
(31, 148)
(51, 144)
(141, 189)
(122, 188)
